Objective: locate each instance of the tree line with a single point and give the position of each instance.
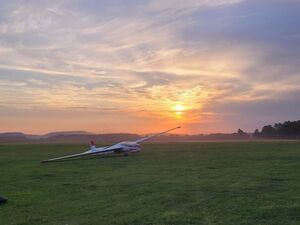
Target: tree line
(287, 129)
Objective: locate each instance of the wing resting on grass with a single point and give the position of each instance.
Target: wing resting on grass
(106, 150)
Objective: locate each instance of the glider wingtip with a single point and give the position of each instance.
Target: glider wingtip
(45, 161)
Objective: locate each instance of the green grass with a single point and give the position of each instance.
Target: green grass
(172, 184)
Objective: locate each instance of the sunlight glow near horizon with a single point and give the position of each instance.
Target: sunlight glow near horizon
(179, 110)
(144, 66)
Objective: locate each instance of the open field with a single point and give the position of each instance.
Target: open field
(182, 183)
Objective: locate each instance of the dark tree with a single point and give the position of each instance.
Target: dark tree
(256, 133)
(288, 129)
(240, 132)
(268, 131)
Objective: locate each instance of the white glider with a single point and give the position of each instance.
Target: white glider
(124, 147)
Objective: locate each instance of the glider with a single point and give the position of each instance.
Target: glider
(124, 147)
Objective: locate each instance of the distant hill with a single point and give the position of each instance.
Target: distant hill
(65, 133)
(65, 137)
(12, 137)
(286, 130)
(85, 137)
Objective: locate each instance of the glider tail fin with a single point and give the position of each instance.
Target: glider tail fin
(92, 145)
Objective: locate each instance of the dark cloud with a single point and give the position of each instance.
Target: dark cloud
(270, 28)
(257, 113)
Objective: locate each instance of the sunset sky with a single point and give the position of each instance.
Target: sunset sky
(141, 66)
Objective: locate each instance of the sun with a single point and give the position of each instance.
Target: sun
(179, 109)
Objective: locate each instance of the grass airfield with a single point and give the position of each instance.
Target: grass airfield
(165, 184)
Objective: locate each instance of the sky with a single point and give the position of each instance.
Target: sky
(141, 66)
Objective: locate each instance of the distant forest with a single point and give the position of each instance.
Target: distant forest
(286, 130)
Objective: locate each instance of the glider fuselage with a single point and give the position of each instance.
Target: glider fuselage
(125, 147)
